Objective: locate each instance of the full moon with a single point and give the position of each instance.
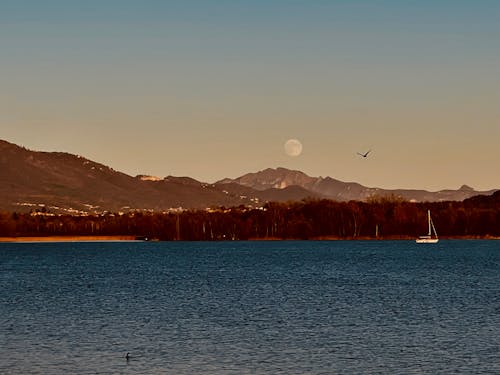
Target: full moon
(293, 147)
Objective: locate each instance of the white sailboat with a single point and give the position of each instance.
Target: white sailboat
(432, 229)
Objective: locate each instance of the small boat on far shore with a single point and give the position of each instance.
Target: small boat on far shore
(429, 238)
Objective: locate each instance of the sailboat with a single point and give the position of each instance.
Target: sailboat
(432, 229)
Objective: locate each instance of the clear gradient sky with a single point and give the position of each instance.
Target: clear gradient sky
(213, 89)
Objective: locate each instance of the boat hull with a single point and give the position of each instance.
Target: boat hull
(426, 240)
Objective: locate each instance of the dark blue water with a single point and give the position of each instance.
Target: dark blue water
(250, 307)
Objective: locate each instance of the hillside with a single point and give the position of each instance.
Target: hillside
(66, 183)
(62, 182)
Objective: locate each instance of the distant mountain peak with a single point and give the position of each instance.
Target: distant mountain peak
(328, 187)
(272, 178)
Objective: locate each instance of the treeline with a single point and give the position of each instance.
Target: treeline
(310, 219)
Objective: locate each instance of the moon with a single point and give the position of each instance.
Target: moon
(293, 147)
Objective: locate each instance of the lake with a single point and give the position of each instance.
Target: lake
(271, 307)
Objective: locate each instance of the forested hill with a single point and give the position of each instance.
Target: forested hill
(312, 219)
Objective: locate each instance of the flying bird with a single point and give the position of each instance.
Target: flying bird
(363, 155)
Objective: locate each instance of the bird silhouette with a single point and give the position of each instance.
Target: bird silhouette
(363, 155)
(127, 356)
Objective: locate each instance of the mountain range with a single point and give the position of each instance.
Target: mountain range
(62, 182)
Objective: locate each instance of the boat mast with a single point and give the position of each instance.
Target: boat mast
(434, 228)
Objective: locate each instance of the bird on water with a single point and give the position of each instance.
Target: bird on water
(127, 356)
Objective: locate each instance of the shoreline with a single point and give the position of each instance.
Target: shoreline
(68, 238)
(119, 238)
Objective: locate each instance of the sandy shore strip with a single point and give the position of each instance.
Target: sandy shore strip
(141, 239)
(67, 239)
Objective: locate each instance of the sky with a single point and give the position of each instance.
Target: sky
(214, 89)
